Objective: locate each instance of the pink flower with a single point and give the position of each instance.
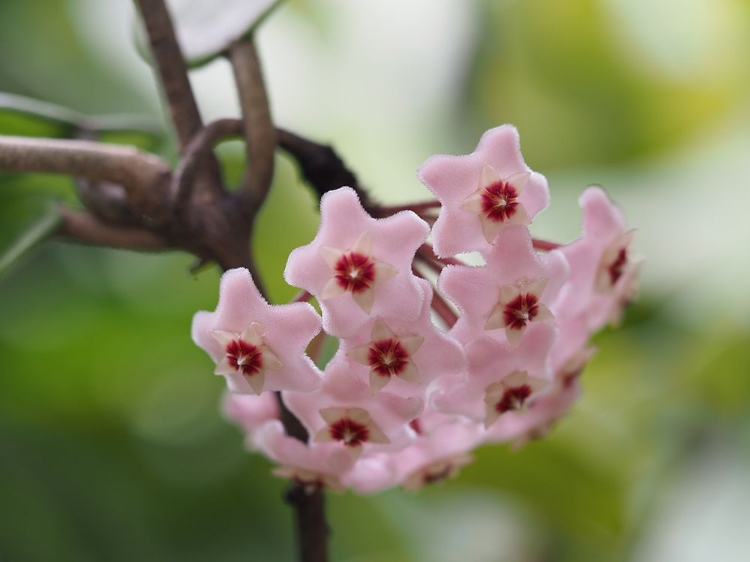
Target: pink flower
(508, 294)
(407, 356)
(344, 410)
(483, 192)
(500, 378)
(545, 408)
(441, 449)
(402, 402)
(250, 412)
(603, 274)
(358, 266)
(257, 346)
(353, 427)
(312, 464)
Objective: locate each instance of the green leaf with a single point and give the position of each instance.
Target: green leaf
(24, 223)
(206, 29)
(28, 117)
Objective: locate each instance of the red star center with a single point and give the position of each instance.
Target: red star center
(244, 357)
(520, 311)
(352, 433)
(499, 201)
(617, 267)
(388, 357)
(354, 272)
(513, 398)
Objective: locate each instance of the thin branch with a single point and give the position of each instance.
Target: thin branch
(439, 304)
(108, 202)
(427, 254)
(84, 227)
(136, 171)
(172, 70)
(292, 425)
(544, 245)
(260, 134)
(321, 166)
(418, 208)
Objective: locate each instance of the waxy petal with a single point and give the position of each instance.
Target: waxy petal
(388, 244)
(513, 269)
(455, 179)
(278, 335)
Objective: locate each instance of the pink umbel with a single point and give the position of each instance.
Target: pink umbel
(421, 376)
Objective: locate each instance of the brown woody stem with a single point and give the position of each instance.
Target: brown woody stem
(260, 134)
(85, 227)
(172, 70)
(312, 529)
(140, 174)
(195, 152)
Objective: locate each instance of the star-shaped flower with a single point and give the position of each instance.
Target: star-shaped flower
(313, 465)
(258, 346)
(512, 291)
(518, 305)
(492, 362)
(351, 426)
(604, 275)
(407, 356)
(483, 192)
(344, 410)
(358, 266)
(388, 355)
(510, 394)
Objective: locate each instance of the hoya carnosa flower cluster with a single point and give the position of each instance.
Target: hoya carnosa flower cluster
(405, 400)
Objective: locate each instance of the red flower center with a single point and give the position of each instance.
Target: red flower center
(388, 357)
(513, 398)
(354, 272)
(244, 357)
(499, 201)
(617, 267)
(350, 432)
(520, 311)
(416, 425)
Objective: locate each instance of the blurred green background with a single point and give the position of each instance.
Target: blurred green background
(112, 446)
